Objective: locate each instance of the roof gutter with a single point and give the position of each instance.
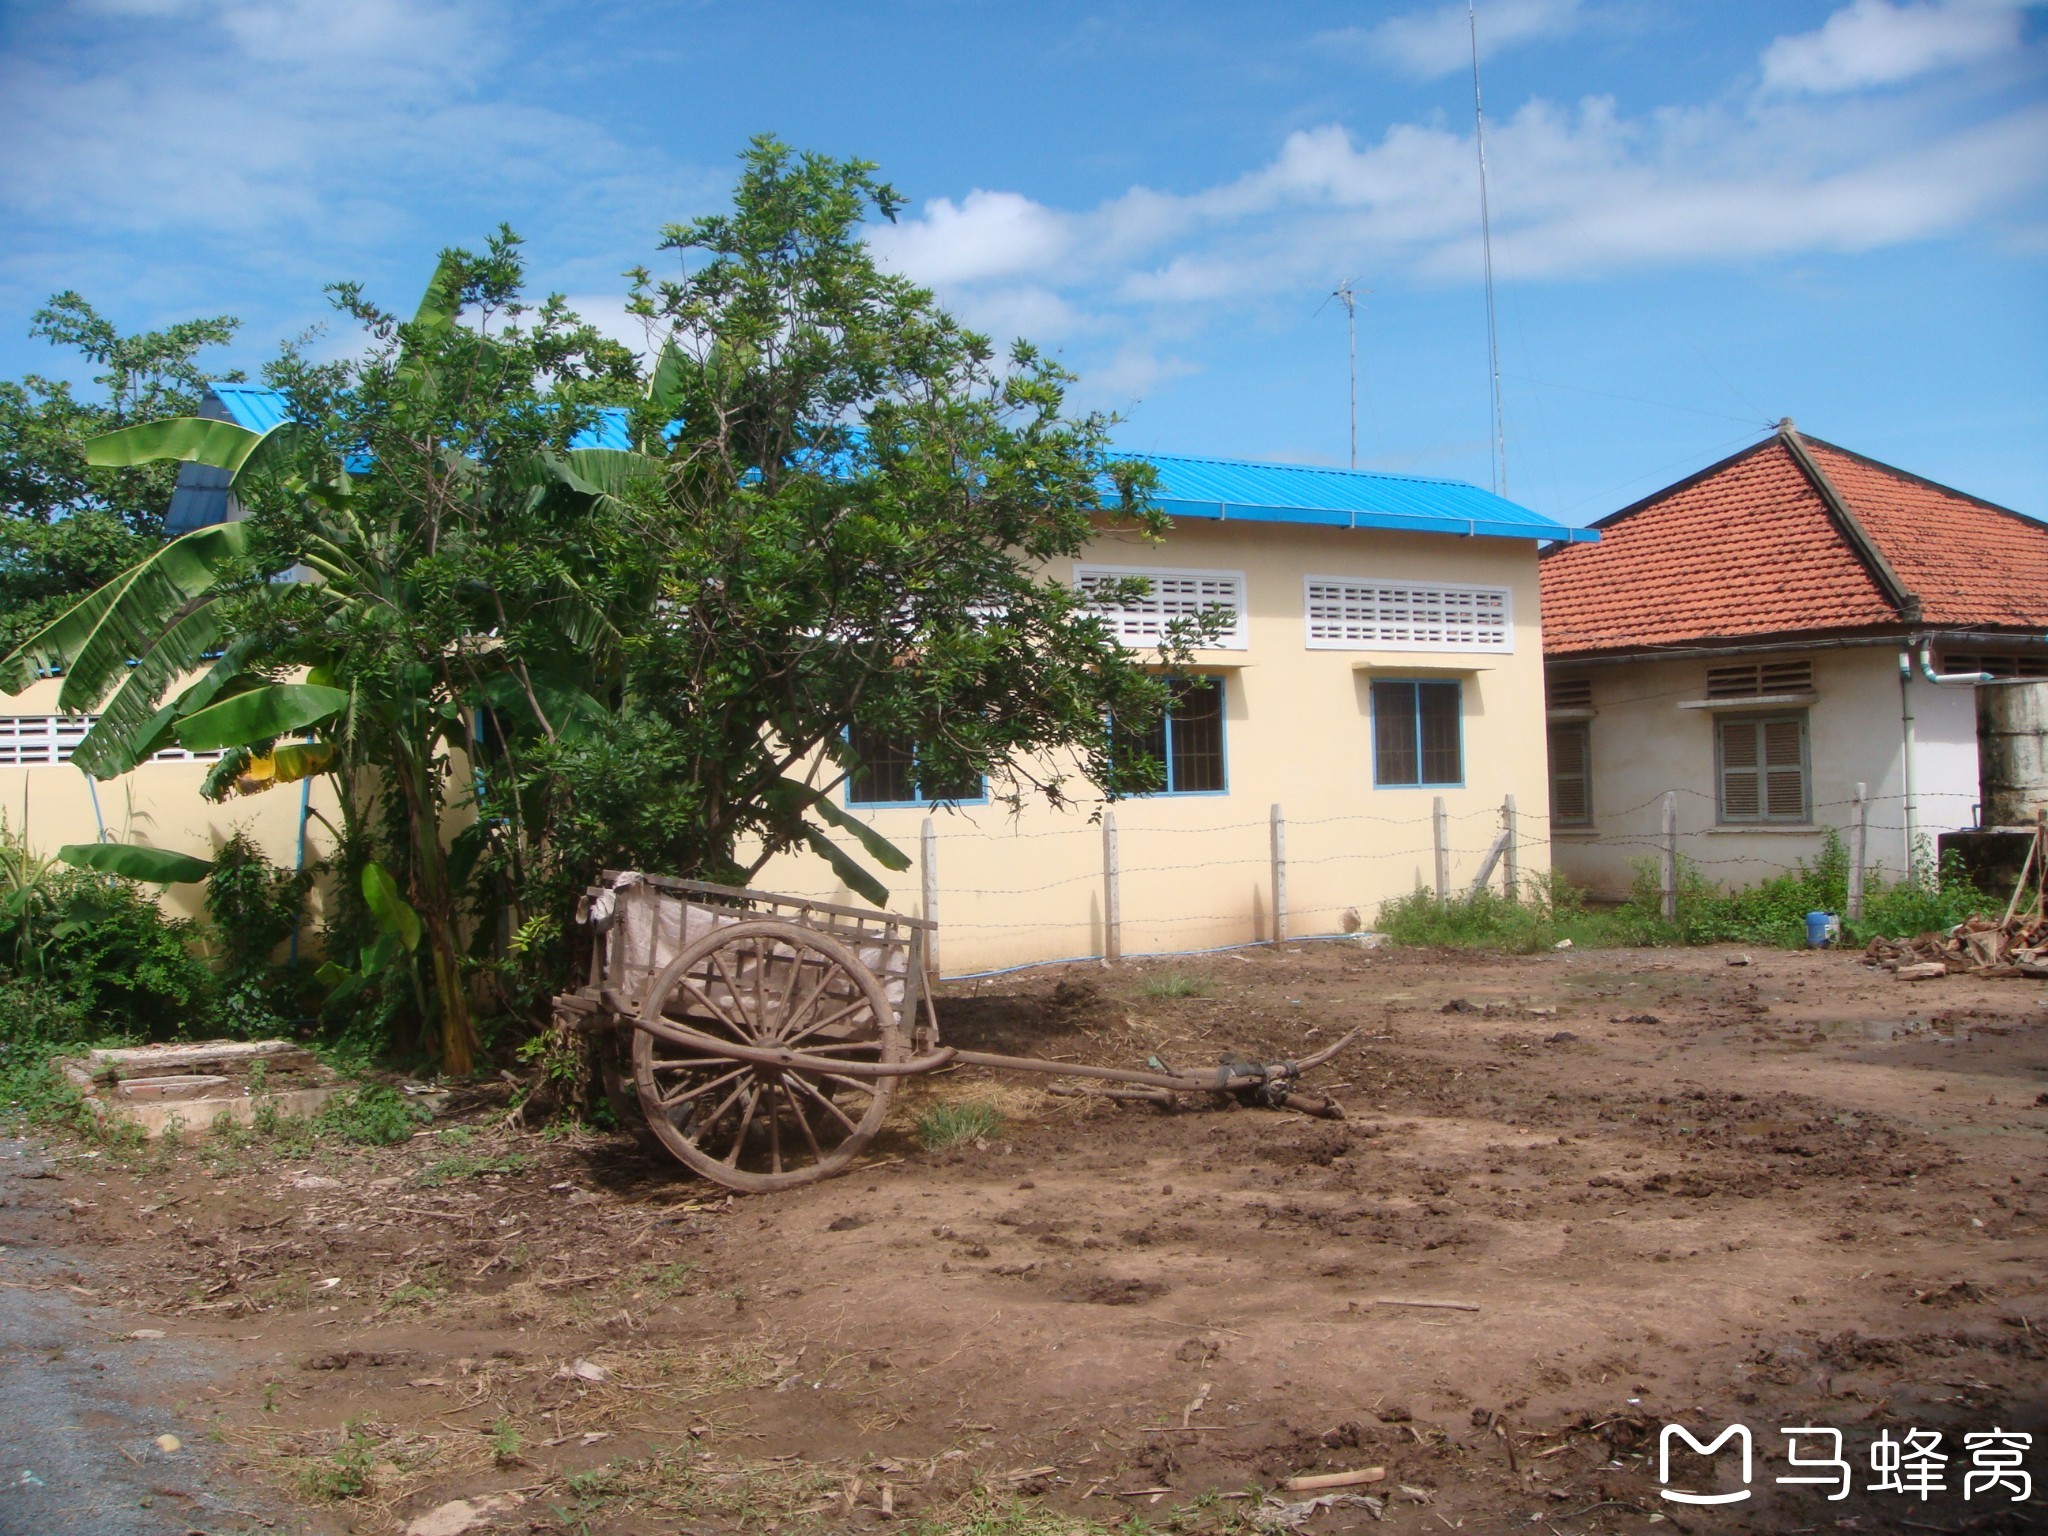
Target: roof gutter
(1794, 643)
(1970, 679)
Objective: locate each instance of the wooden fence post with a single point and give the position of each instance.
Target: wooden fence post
(928, 869)
(1668, 886)
(1859, 818)
(1440, 835)
(1112, 898)
(1511, 863)
(1279, 876)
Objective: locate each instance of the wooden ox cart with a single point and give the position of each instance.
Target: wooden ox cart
(758, 1038)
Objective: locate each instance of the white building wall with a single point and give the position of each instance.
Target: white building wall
(1644, 744)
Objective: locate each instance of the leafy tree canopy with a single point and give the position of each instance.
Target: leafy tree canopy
(64, 527)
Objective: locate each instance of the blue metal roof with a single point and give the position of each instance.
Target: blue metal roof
(1223, 490)
(1227, 490)
(248, 405)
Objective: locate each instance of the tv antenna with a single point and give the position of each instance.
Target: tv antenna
(1499, 466)
(1348, 295)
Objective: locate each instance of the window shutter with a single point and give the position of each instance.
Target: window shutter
(1784, 765)
(1741, 771)
(1571, 801)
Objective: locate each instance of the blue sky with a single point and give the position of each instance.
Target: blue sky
(1706, 215)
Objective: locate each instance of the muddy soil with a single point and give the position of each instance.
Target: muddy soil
(1577, 1197)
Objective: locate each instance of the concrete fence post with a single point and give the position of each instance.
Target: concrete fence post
(1439, 829)
(928, 871)
(1112, 897)
(1668, 881)
(1511, 862)
(1279, 829)
(1859, 828)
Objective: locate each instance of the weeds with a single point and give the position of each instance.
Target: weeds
(951, 1125)
(371, 1117)
(1772, 912)
(1174, 986)
(469, 1165)
(347, 1473)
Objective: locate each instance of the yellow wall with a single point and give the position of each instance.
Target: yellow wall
(1195, 868)
(158, 806)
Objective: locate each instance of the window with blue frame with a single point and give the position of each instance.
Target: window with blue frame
(1186, 741)
(888, 774)
(1418, 734)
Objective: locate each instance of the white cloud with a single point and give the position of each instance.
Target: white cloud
(1439, 41)
(247, 118)
(986, 234)
(1876, 42)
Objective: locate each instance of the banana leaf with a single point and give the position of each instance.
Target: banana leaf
(790, 797)
(153, 866)
(850, 874)
(93, 642)
(259, 715)
(394, 914)
(190, 439)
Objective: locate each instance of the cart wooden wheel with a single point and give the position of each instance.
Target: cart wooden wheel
(769, 983)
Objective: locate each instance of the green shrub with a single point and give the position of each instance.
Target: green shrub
(122, 959)
(371, 1117)
(952, 1125)
(37, 1022)
(253, 908)
(1174, 986)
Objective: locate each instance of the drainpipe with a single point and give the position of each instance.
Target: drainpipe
(1939, 679)
(1906, 755)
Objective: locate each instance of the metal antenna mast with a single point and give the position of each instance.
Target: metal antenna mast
(1500, 444)
(1347, 295)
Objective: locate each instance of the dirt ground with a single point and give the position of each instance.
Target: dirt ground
(1662, 1187)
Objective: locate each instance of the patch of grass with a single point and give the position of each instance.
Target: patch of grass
(1772, 912)
(347, 1474)
(470, 1165)
(1174, 985)
(664, 1281)
(951, 1125)
(505, 1443)
(427, 1288)
(371, 1116)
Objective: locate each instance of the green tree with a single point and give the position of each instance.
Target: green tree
(65, 529)
(857, 503)
(837, 511)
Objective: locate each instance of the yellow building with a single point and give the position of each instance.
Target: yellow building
(1385, 655)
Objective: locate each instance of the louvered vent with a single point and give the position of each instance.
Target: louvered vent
(1143, 621)
(1753, 679)
(1998, 666)
(26, 740)
(1571, 779)
(1570, 692)
(1347, 615)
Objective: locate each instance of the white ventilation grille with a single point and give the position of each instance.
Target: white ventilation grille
(1753, 679)
(1175, 594)
(28, 740)
(1349, 615)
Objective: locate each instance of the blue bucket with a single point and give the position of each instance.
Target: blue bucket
(1822, 928)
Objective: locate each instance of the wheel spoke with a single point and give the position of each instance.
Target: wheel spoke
(796, 967)
(858, 1004)
(796, 1111)
(867, 1088)
(732, 986)
(671, 1101)
(833, 1109)
(792, 1016)
(774, 1129)
(710, 1003)
(724, 1104)
(739, 1140)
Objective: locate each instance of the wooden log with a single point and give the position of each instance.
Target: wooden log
(1314, 1480)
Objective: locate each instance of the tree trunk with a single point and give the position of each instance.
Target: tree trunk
(436, 906)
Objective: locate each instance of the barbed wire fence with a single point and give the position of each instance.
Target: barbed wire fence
(1463, 852)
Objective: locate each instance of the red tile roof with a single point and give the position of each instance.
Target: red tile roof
(1765, 544)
